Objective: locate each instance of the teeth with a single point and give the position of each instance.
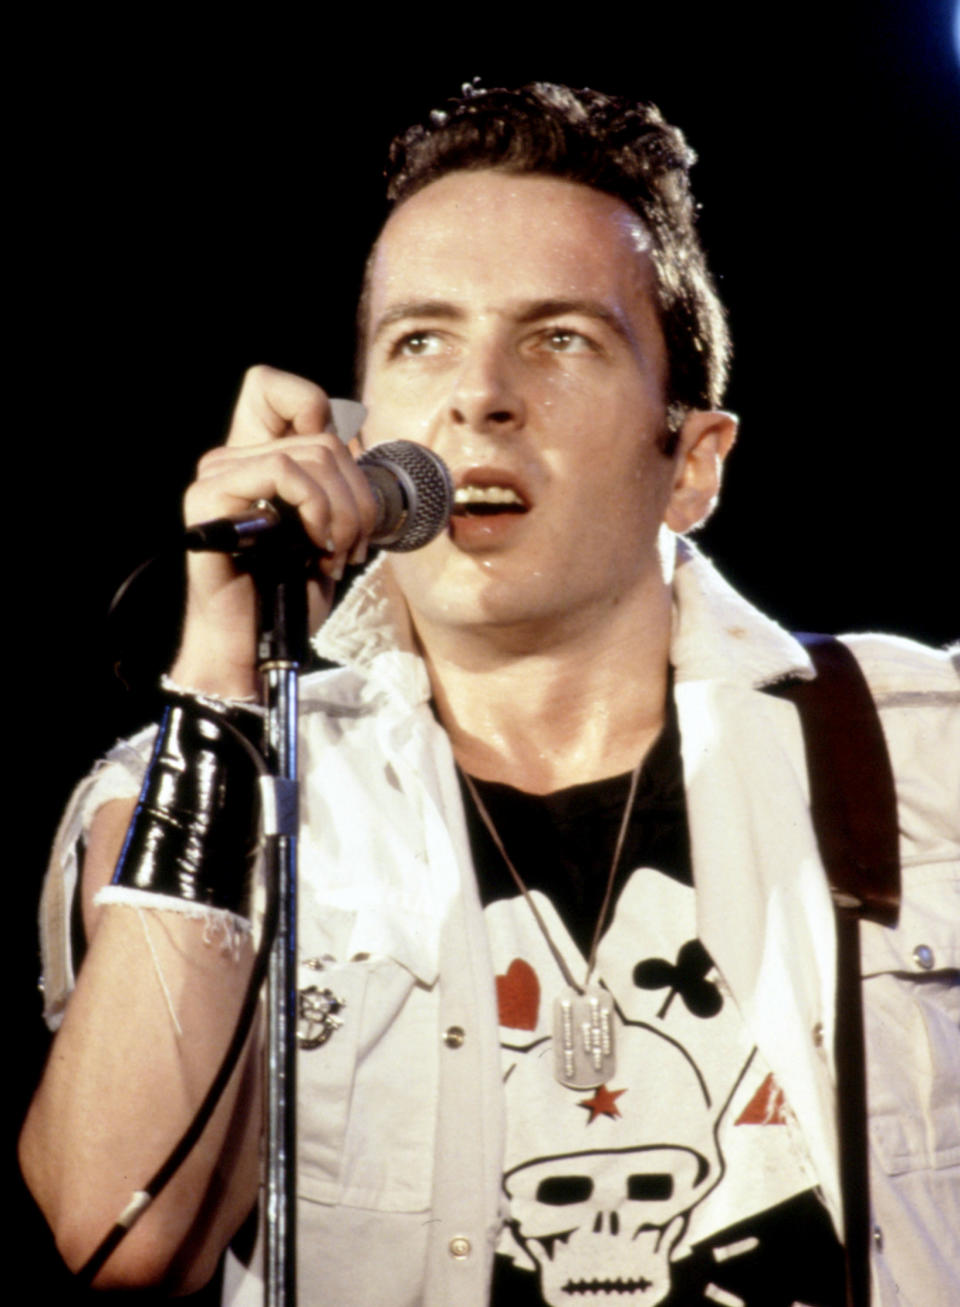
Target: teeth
(487, 495)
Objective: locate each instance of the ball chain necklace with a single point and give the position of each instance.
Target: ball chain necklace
(584, 1054)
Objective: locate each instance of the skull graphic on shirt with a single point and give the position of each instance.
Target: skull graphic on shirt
(603, 1219)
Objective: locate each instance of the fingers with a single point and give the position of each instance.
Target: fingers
(278, 448)
(272, 404)
(314, 474)
(315, 477)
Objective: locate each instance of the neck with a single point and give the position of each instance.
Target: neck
(542, 710)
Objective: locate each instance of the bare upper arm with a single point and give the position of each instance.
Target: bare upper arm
(104, 844)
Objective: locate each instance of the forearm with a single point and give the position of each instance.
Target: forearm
(144, 1034)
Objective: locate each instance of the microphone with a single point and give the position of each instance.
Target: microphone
(411, 485)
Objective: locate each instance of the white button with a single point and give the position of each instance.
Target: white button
(460, 1247)
(923, 956)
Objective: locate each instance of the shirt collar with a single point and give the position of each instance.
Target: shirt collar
(717, 634)
(371, 632)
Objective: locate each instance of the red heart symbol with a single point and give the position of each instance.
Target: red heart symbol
(518, 996)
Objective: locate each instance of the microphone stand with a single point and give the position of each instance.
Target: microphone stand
(415, 498)
(280, 576)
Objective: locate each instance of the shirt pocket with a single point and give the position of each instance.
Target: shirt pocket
(912, 1025)
(368, 1095)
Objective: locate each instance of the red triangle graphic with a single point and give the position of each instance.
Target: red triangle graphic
(766, 1107)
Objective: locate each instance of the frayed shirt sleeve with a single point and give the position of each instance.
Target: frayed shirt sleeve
(118, 776)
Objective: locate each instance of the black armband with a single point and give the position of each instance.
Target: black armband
(194, 832)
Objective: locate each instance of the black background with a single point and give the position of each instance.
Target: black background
(191, 198)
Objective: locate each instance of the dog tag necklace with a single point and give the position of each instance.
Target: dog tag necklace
(584, 1053)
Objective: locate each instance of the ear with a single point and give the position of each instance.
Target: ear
(706, 439)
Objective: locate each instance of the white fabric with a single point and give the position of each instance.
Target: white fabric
(402, 1133)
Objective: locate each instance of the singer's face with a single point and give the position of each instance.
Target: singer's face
(513, 330)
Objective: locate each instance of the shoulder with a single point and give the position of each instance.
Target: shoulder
(902, 671)
(917, 693)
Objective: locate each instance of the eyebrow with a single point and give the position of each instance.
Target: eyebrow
(534, 311)
(407, 309)
(557, 308)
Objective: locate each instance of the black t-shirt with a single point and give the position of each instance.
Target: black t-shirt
(668, 1184)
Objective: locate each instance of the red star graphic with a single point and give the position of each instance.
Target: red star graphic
(603, 1103)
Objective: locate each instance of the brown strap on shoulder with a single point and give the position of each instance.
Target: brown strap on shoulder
(854, 808)
(852, 796)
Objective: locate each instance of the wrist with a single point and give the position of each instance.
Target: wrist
(210, 700)
(218, 644)
(214, 678)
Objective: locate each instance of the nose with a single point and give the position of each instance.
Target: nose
(485, 396)
(613, 1223)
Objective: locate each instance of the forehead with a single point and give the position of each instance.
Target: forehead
(490, 238)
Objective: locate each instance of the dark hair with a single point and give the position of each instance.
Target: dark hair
(614, 145)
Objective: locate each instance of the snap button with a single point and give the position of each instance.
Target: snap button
(460, 1247)
(817, 1033)
(453, 1037)
(877, 1238)
(923, 956)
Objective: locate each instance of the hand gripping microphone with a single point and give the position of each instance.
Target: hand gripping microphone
(411, 485)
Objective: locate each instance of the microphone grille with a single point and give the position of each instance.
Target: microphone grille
(427, 488)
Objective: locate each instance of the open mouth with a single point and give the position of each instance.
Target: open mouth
(485, 501)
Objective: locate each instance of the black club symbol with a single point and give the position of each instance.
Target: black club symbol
(686, 978)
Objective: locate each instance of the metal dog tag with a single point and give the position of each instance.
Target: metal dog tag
(583, 1053)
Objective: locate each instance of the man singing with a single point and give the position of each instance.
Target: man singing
(558, 871)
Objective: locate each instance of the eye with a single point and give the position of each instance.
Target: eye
(650, 1188)
(416, 344)
(562, 1190)
(564, 340)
